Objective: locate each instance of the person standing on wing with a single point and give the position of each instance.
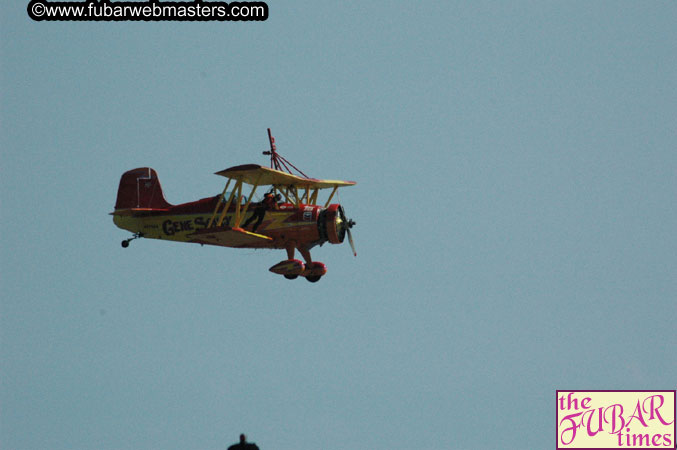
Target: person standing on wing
(268, 204)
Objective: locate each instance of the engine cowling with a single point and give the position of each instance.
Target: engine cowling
(331, 224)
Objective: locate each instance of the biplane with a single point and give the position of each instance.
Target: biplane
(289, 216)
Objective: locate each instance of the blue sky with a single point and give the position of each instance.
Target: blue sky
(515, 212)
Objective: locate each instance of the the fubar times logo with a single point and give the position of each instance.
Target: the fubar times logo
(615, 419)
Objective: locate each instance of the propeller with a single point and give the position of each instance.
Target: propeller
(350, 239)
(347, 225)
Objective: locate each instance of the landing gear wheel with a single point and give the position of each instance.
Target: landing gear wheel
(126, 242)
(314, 278)
(291, 277)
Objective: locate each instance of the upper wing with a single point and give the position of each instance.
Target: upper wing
(258, 175)
(230, 237)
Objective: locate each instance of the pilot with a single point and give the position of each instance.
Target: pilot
(244, 445)
(269, 203)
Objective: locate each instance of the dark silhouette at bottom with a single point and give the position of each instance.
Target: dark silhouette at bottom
(244, 445)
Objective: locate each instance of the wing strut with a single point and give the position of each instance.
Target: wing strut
(218, 203)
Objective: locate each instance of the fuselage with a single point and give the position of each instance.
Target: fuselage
(304, 224)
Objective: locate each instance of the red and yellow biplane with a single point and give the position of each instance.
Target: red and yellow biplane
(289, 216)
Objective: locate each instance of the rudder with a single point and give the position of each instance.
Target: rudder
(140, 188)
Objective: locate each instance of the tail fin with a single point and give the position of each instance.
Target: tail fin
(140, 188)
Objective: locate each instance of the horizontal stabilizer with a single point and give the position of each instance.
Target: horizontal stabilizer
(136, 212)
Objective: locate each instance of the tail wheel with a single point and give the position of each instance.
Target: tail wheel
(126, 242)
